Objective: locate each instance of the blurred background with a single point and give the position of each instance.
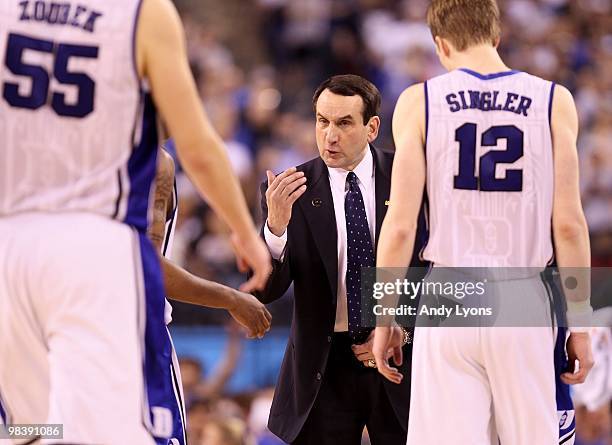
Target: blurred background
(257, 63)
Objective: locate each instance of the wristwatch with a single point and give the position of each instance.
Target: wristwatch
(407, 338)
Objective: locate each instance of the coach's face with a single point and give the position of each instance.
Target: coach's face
(342, 135)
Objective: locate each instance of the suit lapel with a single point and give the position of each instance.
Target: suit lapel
(318, 207)
(382, 188)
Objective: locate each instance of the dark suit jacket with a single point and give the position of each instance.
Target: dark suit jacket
(310, 262)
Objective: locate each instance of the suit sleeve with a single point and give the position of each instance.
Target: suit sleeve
(280, 279)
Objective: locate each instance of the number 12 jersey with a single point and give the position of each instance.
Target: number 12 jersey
(489, 169)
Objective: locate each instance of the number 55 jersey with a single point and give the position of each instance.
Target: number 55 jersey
(77, 128)
(489, 169)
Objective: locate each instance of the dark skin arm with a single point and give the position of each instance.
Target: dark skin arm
(183, 286)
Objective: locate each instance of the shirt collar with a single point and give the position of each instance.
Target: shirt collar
(364, 170)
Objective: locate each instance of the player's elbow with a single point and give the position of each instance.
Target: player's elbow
(195, 157)
(570, 229)
(401, 233)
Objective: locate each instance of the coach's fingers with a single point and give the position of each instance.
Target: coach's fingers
(296, 182)
(364, 356)
(360, 349)
(295, 195)
(282, 184)
(276, 180)
(271, 178)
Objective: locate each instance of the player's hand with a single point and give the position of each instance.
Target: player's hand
(363, 352)
(383, 341)
(283, 191)
(578, 348)
(250, 313)
(252, 254)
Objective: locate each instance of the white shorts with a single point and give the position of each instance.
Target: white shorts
(72, 321)
(471, 385)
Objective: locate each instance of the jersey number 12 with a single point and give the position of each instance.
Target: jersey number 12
(486, 181)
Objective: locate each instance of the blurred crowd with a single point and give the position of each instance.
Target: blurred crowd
(257, 63)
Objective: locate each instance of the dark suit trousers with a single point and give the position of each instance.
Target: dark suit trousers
(351, 397)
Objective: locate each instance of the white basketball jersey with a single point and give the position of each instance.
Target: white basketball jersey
(167, 246)
(489, 169)
(76, 127)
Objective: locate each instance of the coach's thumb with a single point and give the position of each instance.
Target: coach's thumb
(270, 176)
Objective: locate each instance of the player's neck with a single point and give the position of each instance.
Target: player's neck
(483, 59)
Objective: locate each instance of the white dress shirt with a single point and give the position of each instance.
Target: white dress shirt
(337, 180)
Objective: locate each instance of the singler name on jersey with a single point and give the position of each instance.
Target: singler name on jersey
(488, 101)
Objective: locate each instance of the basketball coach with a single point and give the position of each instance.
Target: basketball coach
(322, 221)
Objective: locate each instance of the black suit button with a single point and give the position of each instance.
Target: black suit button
(319, 376)
(329, 339)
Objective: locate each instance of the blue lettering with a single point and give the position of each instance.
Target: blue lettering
(24, 7)
(494, 104)
(485, 101)
(54, 10)
(75, 18)
(463, 102)
(451, 99)
(511, 98)
(62, 18)
(91, 21)
(524, 104)
(39, 11)
(474, 99)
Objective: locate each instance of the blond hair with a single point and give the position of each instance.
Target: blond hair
(464, 23)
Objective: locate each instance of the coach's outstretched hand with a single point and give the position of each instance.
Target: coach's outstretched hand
(383, 341)
(251, 314)
(578, 348)
(283, 190)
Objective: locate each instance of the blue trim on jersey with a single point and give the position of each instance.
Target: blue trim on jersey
(158, 348)
(134, 29)
(178, 415)
(565, 405)
(170, 221)
(488, 76)
(550, 102)
(142, 167)
(426, 114)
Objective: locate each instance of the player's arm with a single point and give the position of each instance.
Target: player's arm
(398, 231)
(162, 59)
(570, 232)
(162, 202)
(181, 285)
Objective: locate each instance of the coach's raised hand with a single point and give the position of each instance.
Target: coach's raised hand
(283, 191)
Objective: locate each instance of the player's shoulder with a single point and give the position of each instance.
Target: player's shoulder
(413, 91)
(563, 94)
(411, 102)
(158, 22)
